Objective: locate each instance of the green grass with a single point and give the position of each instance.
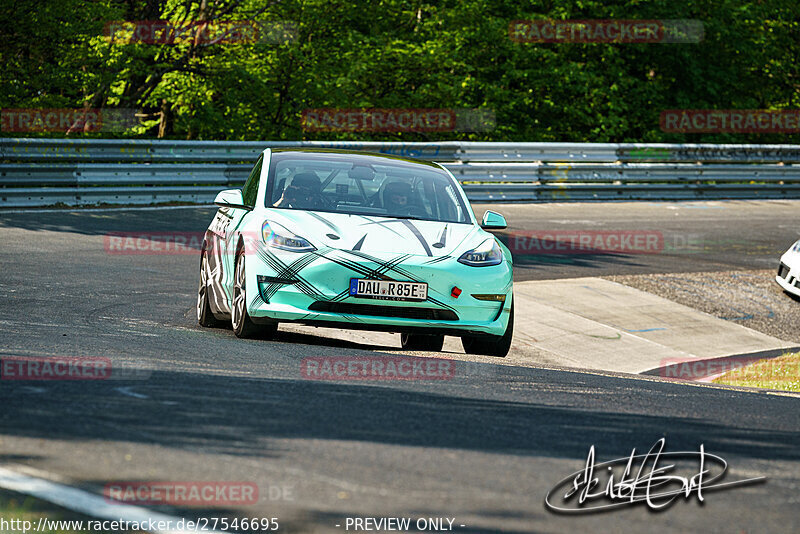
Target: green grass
(16, 506)
(782, 373)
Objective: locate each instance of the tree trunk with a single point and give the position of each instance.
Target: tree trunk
(165, 123)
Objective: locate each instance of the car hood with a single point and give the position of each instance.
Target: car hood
(376, 235)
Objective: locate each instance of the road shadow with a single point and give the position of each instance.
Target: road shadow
(552, 414)
(107, 221)
(241, 414)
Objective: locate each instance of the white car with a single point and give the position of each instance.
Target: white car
(789, 270)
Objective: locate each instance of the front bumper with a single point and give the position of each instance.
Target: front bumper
(788, 276)
(313, 288)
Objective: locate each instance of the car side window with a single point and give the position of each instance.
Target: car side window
(250, 189)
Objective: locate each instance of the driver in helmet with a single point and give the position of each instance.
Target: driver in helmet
(397, 198)
(303, 193)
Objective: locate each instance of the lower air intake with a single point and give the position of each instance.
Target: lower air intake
(433, 314)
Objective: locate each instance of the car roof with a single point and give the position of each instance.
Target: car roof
(356, 154)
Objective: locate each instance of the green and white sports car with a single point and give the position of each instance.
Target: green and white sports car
(358, 241)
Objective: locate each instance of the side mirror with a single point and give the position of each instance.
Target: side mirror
(231, 198)
(493, 221)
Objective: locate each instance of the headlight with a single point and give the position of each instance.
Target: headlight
(487, 253)
(277, 236)
(796, 246)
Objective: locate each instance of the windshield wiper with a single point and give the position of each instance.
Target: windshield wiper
(405, 217)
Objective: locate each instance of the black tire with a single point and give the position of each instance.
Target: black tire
(430, 343)
(488, 345)
(243, 326)
(204, 315)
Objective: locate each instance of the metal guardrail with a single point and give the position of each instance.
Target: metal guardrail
(41, 172)
(155, 151)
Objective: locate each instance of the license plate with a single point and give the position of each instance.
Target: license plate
(388, 289)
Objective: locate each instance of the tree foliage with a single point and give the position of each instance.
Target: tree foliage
(402, 54)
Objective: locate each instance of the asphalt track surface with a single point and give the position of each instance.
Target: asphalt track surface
(691, 236)
(483, 448)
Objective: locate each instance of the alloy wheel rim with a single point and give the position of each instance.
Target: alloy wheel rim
(202, 290)
(238, 295)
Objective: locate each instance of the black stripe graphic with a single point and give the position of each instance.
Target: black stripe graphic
(289, 272)
(442, 240)
(341, 296)
(296, 265)
(325, 221)
(302, 284)
(359, 268)
(355, 267)
(382, 224)
(384, 266)
(437, 260)
(392, 265)
(398, 270)
(254, 300)
(292, 271)
(408, 224)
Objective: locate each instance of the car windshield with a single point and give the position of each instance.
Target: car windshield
(364, 185)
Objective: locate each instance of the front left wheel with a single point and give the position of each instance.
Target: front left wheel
(489, 345)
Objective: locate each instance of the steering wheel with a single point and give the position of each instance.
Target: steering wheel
(415, 211)
(325, 202)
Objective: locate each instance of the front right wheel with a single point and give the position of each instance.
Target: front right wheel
(489, 345)
(204, 314)
(243, 326)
